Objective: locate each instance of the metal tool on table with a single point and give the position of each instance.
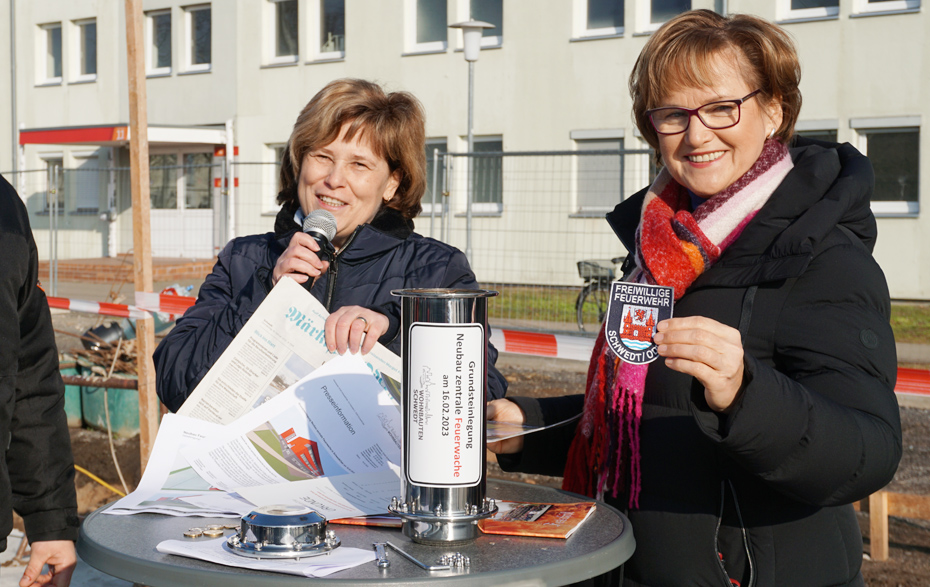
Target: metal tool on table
(446, 562)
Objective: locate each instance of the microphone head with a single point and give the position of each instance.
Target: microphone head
(321, 222)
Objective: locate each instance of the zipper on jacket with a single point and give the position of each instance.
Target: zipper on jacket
(334, 270)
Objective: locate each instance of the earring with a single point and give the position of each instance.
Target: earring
(772, 134)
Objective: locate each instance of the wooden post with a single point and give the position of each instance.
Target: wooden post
(878, 526)
(141, 223)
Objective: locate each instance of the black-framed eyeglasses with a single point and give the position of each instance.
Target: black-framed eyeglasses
(717, 115)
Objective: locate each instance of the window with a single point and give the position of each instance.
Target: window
(487, 175)
(427, 25)
(435, 176)
(872, 6)
(820, 135)
(87, 50)
(597, 182)
(652, 13)
(598, 18)
(50, 38)
(720, 7)
(199, 37)
(271, 176)
(285, 45)
(54, 183)
(895, 157)
(86, 184)
(332, 40)
(198, 170)
(490, 11)
(806, 9)
(163, 181)
(158, 33)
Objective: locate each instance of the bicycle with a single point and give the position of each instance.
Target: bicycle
(591, 304)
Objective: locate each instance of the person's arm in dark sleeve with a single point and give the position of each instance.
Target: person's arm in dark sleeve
(206, 329)
(823, 427)
(38, 456)
(545, 452)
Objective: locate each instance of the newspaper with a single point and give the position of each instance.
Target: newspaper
(337, 421)
(281, 343)
(170, 486)
(299, 438)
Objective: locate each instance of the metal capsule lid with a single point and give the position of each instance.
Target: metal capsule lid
(280, 516)
(282, 531)
(444, 293)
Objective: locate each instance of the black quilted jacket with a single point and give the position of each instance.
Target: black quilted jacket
(36, 469)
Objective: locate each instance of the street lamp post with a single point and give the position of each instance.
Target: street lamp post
(471, 31)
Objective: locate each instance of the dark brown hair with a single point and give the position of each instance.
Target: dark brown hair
(393, 124)
(680, 55)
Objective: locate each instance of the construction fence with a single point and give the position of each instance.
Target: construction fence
(529, 220)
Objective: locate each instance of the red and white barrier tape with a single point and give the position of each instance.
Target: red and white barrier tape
(146, 302)
(102, 308)
(545, 345)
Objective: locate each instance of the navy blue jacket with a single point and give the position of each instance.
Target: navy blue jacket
(377, 258)
(36, 468)
(769, 485)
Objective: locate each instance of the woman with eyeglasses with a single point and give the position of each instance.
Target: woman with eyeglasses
(739, 452)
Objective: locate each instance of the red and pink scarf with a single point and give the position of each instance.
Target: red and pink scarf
(673, 247)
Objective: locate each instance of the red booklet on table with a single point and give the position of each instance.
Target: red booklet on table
(545, 520)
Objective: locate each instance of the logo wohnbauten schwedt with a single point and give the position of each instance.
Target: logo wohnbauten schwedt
(633, 311)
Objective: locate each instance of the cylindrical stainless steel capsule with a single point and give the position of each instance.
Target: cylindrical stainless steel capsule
(445, 354)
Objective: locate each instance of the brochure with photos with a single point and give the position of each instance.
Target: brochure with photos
(544, 520)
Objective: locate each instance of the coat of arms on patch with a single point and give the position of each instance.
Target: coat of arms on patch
(633, 311)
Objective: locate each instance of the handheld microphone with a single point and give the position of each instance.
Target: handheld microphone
(321, 225)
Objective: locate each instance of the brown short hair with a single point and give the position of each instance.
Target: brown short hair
(679, 55)
(393, 123)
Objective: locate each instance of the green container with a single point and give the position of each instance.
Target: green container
(72, 397)
(123, 405)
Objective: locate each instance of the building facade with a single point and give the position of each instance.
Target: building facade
(231, 77)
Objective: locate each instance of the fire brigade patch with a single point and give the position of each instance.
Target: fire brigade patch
(633, 310)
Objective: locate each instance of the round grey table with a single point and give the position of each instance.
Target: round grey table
(124, 547)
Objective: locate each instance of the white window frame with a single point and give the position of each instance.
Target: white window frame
(150, 56)
(644, 22)
(81, 157)
(77, 49)
(181, 172)
(42, 41)
(865, 126)
(866, 7)
(410, 32)
(270, 176)
(443, 144)
(785, 12)
(316, 42)
(46, 159)
(580, 18)
(271, 35)
(189, 64)
(487, 208)
(463, 13)
(585, 136)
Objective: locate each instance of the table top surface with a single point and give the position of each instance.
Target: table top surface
(124, 546)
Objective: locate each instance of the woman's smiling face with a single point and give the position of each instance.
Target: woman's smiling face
(347, 178)
(707, 161)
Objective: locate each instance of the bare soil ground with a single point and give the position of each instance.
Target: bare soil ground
(909, 565)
